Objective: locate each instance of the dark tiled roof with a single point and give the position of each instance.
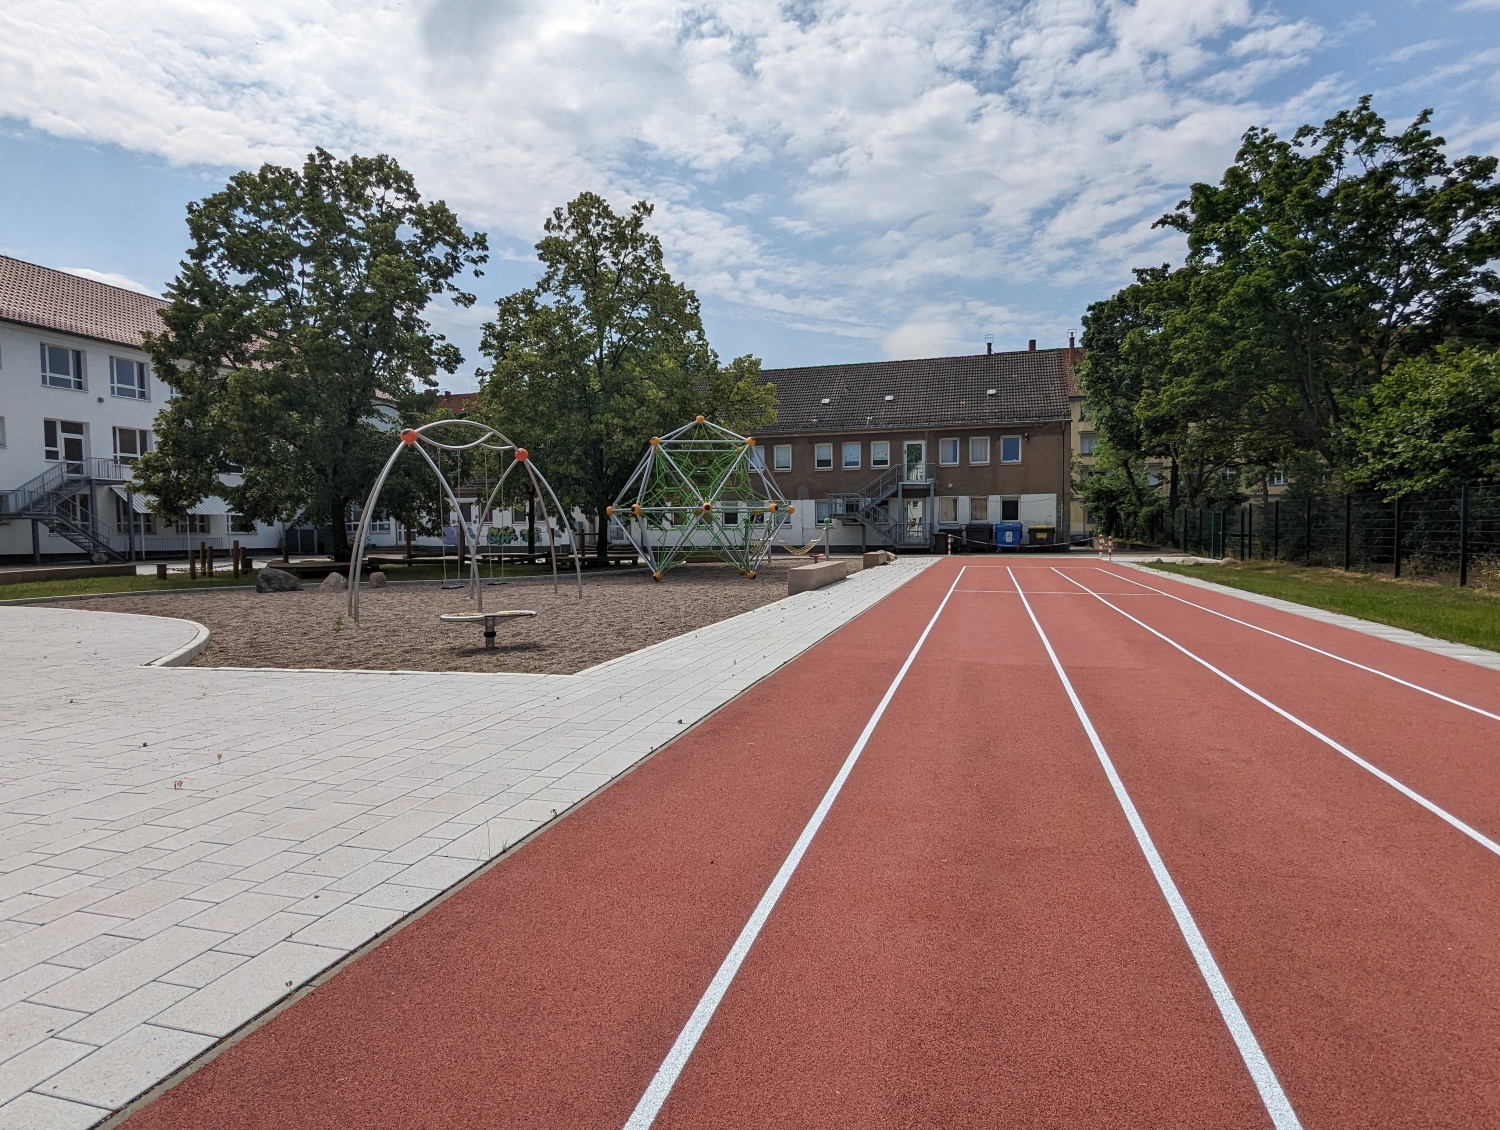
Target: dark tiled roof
(55, 300)
(1031, 387)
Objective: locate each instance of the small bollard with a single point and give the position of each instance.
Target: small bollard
(208, 560)
(192, 565)
(234, 559)
(161, 570)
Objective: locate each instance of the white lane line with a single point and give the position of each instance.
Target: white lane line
(1277, 1105)
(1411, 794)
(1299, 643)
(666, 1075)
(1047, 592)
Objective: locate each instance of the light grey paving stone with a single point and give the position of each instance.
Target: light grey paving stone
(204, 968)
(114, 1074)
(93, 951)
(41, 943)
(392, 896)
(436, 872)
(36, 1064)
(162, 918)
(142, 898)
(24, 1024)
(125, 972)
(116, 1019)
(348, 927)
(240, 912)
(262, 981)
(38, 1112)
(31, 980)
(265, 934)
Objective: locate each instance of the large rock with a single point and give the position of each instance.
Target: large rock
(377, 580)
(334, 582)
(276, 580)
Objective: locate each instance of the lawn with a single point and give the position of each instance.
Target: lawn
(176, 582)
(1461, 615)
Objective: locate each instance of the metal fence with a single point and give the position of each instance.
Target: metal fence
(1448, 536)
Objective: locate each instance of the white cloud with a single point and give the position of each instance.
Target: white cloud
(124, 282)
(830, 165)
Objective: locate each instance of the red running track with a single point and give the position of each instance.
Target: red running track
(973, 937)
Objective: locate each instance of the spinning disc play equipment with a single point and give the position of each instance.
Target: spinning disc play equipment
(486, 441)
(701, 488)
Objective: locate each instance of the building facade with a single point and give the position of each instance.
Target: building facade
(907, 453)
(78, 403)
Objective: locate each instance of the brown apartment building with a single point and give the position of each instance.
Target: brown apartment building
(901, 453)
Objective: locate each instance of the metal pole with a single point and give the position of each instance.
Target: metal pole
(36, 543)
(1276, 530)
(1307, 534)
(1349, 522)
(1463, 534)
(1250, 529)
(1396, 539)
(129, 525)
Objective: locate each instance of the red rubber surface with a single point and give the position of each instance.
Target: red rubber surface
(973, 938)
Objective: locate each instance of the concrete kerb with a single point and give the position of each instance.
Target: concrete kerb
(1475, 655)
(254, 1023)
(188, 651)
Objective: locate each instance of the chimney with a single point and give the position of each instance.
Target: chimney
(989, 343)
(1031, 345)
(1070, 341)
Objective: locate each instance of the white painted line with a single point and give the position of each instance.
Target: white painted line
(1441, 813)
(666, 1075)
(1299, 643)
(1275, 1100)
(1047, 592)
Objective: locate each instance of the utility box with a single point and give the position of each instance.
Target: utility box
(1043, 535)
(979, 537)
(1009, 535)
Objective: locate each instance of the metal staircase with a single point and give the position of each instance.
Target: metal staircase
(52, 499)
(880, 506)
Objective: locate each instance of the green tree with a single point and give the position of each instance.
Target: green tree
(605, 351)
(1431, 422)
(295, 337)
(1347, 248)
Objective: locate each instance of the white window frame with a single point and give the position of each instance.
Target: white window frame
(1087, 442)
(138, 373)
(53, 452)
(943, 460)
(818, 456)
(143, 444)
(195, 525)
(1003, 441)
(859, 451)
(981, 460)
(1013, 501)
(781, 457)
(76, 380)
(877, 460)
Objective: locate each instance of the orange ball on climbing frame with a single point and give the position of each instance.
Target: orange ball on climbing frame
(656, 441)
(700, 419)
(520, 455)
(408, 437)
(791, 510)
(706, 507)
(635, 509)
(749, 441)
(609, 511)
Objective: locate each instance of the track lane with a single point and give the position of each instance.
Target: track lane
(546, 992)
(1359, 933)
(1447, 755)
(974, 939)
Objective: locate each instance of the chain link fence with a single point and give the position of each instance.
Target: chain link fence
(1452, 536)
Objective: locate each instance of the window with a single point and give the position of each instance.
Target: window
(979, 508)
(1010, 510)
(144, 523)
(62, 368)
(1010, 449)
(781, 457)
(1087, 441)
(239, 524)
(758, 458)
(824, 510)
(880, 453)
(1276, 479)
(63, 439)
(127, 378)
(822, 457)
(948, 453)
(979, 450)
(947, 508)
(1153, 476)
(131, 444)
(852, 455)
(193, 524)
(730, 517)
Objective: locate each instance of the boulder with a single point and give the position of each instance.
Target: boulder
(275, 580)
(334, 582)
(377, 580)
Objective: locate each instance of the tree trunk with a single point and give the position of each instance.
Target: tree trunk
(601, 541)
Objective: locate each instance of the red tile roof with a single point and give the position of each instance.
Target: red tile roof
(55, 300)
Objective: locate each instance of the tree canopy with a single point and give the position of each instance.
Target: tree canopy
(605, 351)
(1314, 266)
(295, 335)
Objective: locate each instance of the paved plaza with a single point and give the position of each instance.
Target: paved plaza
(184, 847)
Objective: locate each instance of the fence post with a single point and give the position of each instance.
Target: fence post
(1307, 534)
(1250, 530)
(1276, 530)
(1396, 539)
(1348, 519)
(1463, 534)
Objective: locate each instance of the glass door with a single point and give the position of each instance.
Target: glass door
(915, 460)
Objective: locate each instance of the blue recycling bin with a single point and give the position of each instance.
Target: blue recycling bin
(1009, 535)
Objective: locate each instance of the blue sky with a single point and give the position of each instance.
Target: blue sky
(838, 181)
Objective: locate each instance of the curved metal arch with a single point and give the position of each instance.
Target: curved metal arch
(473, 529)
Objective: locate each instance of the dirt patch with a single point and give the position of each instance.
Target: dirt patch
(399, 627)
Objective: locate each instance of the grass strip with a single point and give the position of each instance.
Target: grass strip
(1460, 615)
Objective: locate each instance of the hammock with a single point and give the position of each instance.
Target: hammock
(802, 550)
